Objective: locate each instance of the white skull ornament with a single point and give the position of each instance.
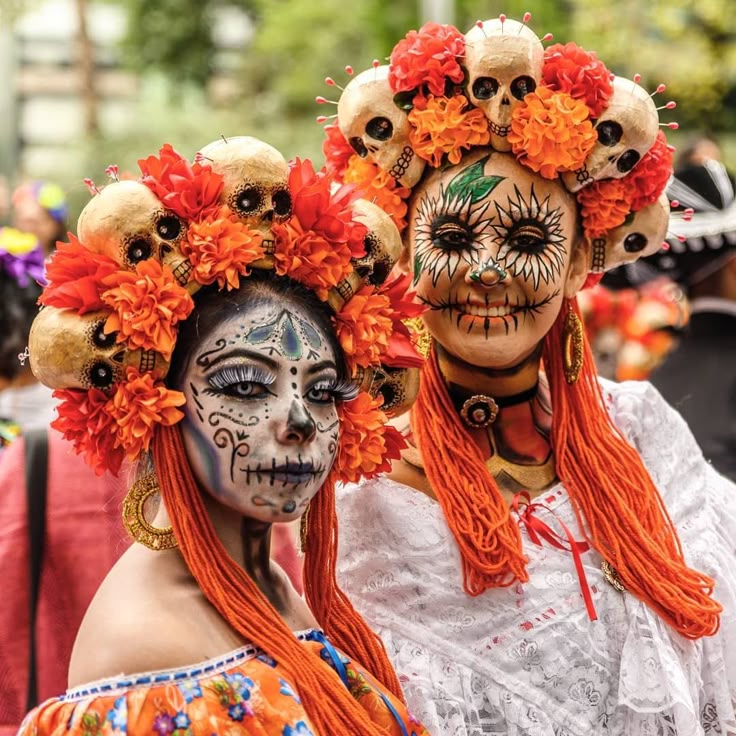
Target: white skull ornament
(382, 250)
(68, 350)
(504, 61)
(255, 184)
(641, 237)
(127, 222)
(626, 130)
(398, 387)
(376, 128)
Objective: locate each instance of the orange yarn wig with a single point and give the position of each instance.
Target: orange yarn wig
(619, 508)
(330, 706)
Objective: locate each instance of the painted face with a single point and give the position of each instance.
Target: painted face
(261, 427)
(490, 249)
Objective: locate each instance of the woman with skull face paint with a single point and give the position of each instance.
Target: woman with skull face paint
(267, 336)
(551, 555)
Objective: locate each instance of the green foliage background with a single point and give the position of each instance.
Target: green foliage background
(295, 44)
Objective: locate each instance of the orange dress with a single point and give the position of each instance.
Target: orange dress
(243, 692)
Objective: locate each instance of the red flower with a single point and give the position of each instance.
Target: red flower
(324, 211)
(401, 351)
(428, 57)
(84, 419)
(75, 277)
(188, 190)
(221, 249)
(337, 152)
(367, 442)
(570, 68)
(138, 405)
(147, 304)
(649, 177)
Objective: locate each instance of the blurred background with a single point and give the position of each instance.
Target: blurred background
(88, 83)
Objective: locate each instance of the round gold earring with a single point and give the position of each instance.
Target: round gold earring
(134, 518)
(572, 346)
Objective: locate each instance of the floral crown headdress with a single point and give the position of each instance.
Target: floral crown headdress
(558, 110)
(119, 289)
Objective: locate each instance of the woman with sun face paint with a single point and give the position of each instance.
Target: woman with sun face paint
(196, 628)
(551, 555)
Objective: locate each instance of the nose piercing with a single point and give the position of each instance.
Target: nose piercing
(488, 273)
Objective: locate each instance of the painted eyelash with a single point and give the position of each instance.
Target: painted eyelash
(234, 374)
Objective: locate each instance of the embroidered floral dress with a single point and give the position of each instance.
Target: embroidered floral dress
(528, 660)
(241, 693)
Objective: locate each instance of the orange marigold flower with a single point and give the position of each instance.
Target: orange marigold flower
(445, 125)
(85, 419)
(221, 249)
(551, 132)
(309, 258)
(604, 205)
(367, 443)
(138, 405)
(364, 326)
(649, 177)
(570, 68)
(428, 57)
(146, 304)
(379, 187)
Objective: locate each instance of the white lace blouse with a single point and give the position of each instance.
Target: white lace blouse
(527, 660)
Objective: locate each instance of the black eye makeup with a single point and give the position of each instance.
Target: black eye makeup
(242, 380)
(451, 234)
(531, 239)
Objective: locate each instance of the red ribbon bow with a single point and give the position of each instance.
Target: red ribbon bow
(536, 528)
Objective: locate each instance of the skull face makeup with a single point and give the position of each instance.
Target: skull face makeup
(255, 178)
(376, 128)
(626, 130)
(641, 237)
(128, 223)
(504, 63)
(493, 249)
(261, 427)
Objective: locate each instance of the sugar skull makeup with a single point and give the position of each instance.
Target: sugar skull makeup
(491, 246)
(261, 429)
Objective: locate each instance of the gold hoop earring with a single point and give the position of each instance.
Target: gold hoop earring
(134, 519)
(420, 335)
(303, 532)
(572, 346)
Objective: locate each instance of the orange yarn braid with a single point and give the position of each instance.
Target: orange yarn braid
(329, 705)
(479, 518)
(611, 490)
(332, 608)
(617, 504)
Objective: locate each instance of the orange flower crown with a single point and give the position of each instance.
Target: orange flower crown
(118, 290)
(558, 110)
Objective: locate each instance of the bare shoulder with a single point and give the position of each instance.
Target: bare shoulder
(147, 615)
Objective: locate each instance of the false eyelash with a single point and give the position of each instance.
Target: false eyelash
(244, 373)
(344, 390)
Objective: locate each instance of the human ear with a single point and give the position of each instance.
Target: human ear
(579, 267)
